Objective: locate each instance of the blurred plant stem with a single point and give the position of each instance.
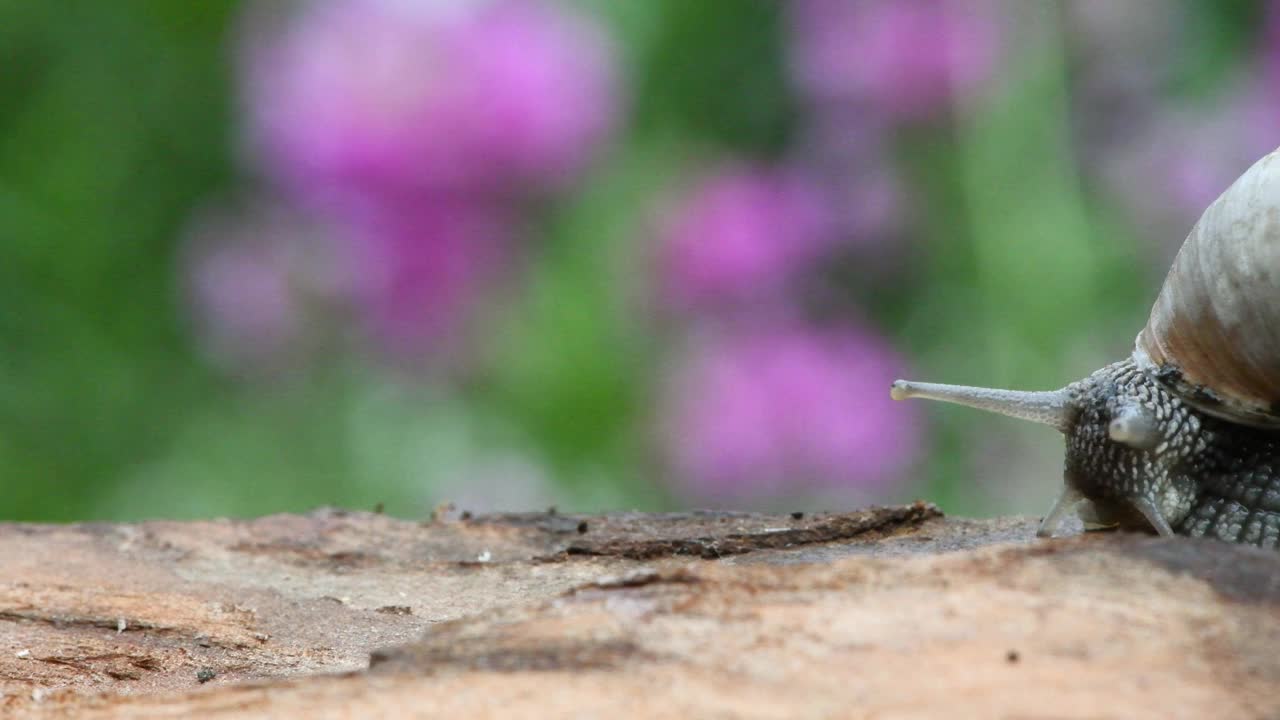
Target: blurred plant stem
(574, 358)
(1023, 281)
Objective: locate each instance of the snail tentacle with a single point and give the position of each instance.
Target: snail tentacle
(1066, 501)
(1047, 408)
(1148, 508)
(1136, 426)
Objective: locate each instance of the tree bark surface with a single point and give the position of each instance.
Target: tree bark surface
(887, 613)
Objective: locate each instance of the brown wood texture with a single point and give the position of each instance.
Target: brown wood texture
(884, 613)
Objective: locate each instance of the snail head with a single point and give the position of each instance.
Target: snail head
(1129, 443)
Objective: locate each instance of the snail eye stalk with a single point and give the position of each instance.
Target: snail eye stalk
(1047, 408)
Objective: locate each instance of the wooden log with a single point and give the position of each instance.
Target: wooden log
(889, 612)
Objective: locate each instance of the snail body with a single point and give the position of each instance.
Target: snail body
(1183, 437)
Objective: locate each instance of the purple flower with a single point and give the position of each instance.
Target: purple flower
(907, 58)
(387, 98)
(787, 410)
(260, 284)
(1217, 148)
(1188, 156)
(845, 152)
(423, 271)
(741, 235)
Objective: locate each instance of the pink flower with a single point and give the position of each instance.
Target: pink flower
(261, 286)
(1187, 157)
(845, 152)
(741, 235)
(391, 98)
(787, 410)
(907, 58)
(423, 272)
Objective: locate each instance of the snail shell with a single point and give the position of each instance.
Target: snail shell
(1214, 331)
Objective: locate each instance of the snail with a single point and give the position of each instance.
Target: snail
(1183, 437)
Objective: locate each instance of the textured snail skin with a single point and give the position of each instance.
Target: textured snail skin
(1239, 498)
(1205, 477)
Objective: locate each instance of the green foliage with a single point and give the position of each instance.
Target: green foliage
(569, 365)
(715, 70)
(113, 125)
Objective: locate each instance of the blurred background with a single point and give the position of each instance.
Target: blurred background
(264, 256)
